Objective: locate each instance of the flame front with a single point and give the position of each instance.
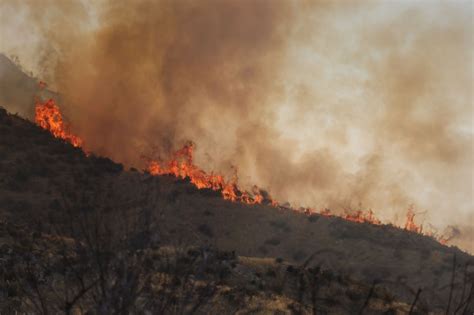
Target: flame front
(48, 116)
(182, 166)
(362, 217)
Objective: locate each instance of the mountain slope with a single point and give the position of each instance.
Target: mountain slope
(42, 179)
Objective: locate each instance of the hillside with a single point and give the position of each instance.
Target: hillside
(54, 197)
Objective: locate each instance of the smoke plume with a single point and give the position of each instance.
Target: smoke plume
(326, 105)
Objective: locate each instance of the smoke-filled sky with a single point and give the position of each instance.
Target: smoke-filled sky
(323, 104)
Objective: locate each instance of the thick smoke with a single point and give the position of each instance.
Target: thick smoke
(339, 106)
(165, 72)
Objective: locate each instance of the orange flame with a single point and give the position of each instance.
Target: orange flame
(48, 116)
(362, 217)
(410, 224)
(182, 166)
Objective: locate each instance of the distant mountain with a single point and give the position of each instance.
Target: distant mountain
(18, 90)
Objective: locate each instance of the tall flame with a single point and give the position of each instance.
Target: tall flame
(48, 116)
(410, 224)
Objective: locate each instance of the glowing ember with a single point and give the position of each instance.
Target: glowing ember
(181, 165)
(48, 116)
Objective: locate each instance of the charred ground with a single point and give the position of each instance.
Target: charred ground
(79, 233)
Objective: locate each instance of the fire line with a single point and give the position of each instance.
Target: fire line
(49, 117)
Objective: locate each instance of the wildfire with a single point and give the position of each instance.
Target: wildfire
(48, 116)
(410, 224)
(181, 165)
(362, 217)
